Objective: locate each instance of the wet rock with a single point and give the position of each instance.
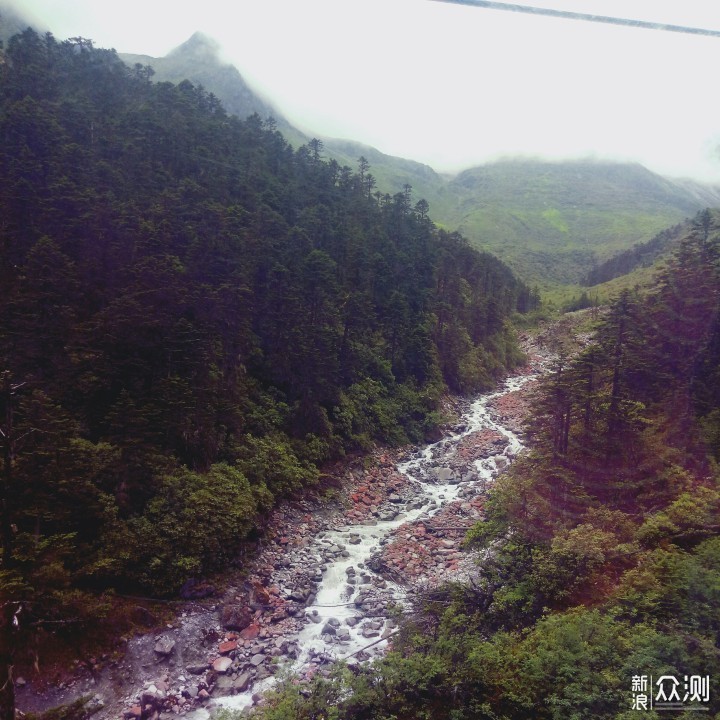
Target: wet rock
(328, 629)
(443, 474)
(224, 685)
(225, 647)
(250, 632)
(257, 659)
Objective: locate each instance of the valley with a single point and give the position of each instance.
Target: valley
(331, 578)
(293, 429)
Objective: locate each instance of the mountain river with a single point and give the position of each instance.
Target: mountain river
(350, 617)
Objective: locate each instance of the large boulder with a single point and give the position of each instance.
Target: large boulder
(235, 617)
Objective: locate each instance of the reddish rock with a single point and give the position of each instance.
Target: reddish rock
(225, 647)
(250, 632)
(134, 712)
(235, 617)
(261, 594)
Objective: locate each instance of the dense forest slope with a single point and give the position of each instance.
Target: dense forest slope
(198, 60)
(194, 318)
(601, 557)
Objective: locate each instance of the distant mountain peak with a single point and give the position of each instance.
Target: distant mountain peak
(198, 44)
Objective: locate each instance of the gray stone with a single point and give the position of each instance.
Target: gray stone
(257, 660)
(225, 685)
(328, 629)
(164, 646)
(443, 474)
(243, 682)
(197, 669)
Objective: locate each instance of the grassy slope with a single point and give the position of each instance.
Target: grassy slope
(551, 220)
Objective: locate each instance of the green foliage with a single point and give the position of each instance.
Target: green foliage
(538, 218)
(270, 463)
(194, 523)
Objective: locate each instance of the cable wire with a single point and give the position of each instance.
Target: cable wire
(570, 15)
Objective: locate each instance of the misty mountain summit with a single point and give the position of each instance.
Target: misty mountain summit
(198, 60)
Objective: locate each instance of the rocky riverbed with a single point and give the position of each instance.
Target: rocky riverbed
(322, 584)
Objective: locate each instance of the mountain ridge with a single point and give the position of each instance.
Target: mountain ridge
(549, 245)
(550, 221)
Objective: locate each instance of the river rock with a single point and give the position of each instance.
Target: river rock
(221, 665)
(443, 474)
(235, 617)
(197, 669)
(228, 646)
(243, 682)
(257, 659)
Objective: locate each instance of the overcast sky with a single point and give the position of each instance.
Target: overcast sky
(448, 85)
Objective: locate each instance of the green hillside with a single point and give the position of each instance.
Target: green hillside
(551, 220)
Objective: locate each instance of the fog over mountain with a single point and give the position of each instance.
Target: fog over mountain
(451, 86)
